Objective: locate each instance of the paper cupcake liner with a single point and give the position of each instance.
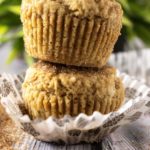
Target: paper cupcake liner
(59, 37)
(75, 129)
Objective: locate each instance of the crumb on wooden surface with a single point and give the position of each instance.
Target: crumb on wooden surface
(9, 134)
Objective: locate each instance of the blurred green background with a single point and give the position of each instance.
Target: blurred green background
(136, 23)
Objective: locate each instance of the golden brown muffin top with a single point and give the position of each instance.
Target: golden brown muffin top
(59, 68)
(44, 75)
(83, 8)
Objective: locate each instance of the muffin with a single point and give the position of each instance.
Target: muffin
(71, 32)
(57, 90)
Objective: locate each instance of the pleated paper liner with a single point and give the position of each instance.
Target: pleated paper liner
(74, 129)
(52, 34)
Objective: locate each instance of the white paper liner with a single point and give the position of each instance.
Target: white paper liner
(78, 129)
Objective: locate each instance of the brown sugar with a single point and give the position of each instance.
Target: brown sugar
(9, 133)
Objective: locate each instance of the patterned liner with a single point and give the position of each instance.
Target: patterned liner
(62, 38)
(81, 128)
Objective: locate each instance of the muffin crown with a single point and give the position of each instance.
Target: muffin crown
(82, 8)
(59, 69)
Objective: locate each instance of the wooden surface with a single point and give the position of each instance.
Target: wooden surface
(135, 136)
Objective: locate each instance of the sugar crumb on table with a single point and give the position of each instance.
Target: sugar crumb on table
(9, 134)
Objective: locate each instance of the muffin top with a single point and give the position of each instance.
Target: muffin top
(45, 73)
(47, 67)
(82, 8)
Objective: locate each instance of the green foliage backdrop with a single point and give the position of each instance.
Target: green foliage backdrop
(136, 19)
(11, 29)
(136, 22)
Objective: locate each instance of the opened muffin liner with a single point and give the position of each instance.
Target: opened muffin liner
(74, 129)
(53, 34)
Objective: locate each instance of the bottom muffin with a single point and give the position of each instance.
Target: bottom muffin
(57, 90)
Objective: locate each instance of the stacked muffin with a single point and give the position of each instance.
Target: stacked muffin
(73, 40)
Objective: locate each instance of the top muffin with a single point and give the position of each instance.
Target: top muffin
(72, 32)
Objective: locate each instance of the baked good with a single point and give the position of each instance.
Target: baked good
(72, 32)
(57, 90)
